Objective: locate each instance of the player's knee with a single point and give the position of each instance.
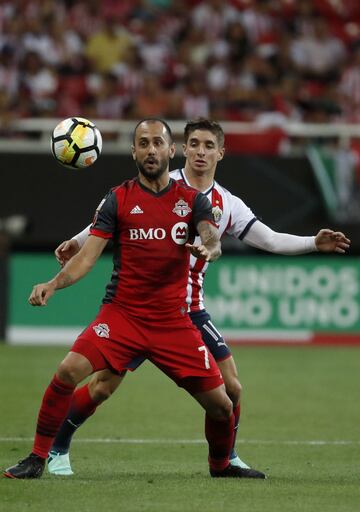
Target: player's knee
(221, 410)
(100, 390)
(68, 373)
(233, 390)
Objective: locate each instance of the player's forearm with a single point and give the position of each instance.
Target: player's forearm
(82, 236)
(80, 264)
(262, 237)
(209, 235)
(73, 271)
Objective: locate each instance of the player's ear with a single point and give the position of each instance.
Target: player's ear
(221, 154)
(133, 153)
(184, 149)
(172, 150)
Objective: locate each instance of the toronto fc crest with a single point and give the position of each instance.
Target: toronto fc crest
(181, 208)
(217, 213)
(102, 330)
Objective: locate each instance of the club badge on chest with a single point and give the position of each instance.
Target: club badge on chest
(217, 213)
(181, 208)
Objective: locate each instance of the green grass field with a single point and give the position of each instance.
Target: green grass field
(144, 449)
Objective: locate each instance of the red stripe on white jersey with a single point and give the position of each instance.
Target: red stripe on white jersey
(195, 296)
(216, 199)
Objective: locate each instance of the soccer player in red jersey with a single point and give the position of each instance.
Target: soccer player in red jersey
(153, 220)
(203, 148)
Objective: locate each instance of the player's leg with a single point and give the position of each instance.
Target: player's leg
(233, 389)
(219, 427)
(222, 354)
(219, 424)
(54, 408)
(84, 403)
(180, 352)
(120, 355)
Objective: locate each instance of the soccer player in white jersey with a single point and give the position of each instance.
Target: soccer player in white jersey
(203, 148)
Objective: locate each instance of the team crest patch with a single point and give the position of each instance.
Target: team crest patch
(217, 213)
(180, 233)
(181, 208)
(102, 330)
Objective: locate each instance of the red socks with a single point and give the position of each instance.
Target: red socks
(220, 436)
(82, 405)
(53, 410)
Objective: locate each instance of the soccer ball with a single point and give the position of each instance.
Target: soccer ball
(76, 142)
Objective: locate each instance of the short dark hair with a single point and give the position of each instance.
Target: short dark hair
(154, 120)
(204, 124)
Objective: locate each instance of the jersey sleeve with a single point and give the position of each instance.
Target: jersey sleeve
(202, 210)
(241, 218)
(105, 219)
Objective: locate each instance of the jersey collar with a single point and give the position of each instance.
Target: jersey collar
(206, 192)
(157, 194)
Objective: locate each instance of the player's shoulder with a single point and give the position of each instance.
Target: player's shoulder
(220, 189)
(125, 186)
(224, 192)
(177, 175)
(180, 185)
(234, 204)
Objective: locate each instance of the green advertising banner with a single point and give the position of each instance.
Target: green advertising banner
(67, 313)
(283, 298)
(262, 298)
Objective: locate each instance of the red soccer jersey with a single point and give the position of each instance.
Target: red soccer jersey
(151, 262)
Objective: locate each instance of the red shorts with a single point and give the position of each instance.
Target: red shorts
(117, 341)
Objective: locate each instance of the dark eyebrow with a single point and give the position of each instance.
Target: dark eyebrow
(195, 139)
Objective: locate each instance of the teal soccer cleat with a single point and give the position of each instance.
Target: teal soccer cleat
(59, 464)
(236, 461)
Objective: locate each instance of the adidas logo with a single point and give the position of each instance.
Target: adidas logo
(136, 209)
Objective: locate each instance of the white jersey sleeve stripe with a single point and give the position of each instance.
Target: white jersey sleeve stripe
(247, 227)
(212, 334)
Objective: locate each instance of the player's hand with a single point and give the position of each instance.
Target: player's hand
(66, 251)
(331, 241)
(41, 293)
(199, 251)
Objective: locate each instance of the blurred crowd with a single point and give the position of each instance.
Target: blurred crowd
(243, 60)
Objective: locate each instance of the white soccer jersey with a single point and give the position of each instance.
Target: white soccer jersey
(232, 216)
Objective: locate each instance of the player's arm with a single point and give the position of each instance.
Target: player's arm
(262, 237)
(210, 247)
(74, 270)
(103, 227)
(69, 248)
